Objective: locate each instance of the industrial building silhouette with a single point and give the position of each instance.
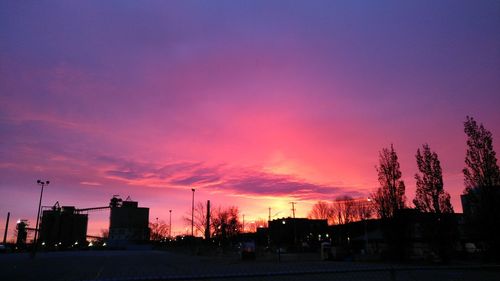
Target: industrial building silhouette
(129, 223)
(63, 227)
(66, 226)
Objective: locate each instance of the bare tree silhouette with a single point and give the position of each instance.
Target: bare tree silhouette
(321, 210)
(343, 209)
(159, 230)
(226, 223)
(200, 217)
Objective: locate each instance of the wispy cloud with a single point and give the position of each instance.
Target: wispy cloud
(90, 183)
(224, 178)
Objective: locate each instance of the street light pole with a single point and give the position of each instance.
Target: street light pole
(42, 184)
(368, 201)
(192, 214)
(170, 225)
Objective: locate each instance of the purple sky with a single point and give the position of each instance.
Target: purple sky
(253, 103)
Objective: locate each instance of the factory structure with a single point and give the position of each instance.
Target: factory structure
(128, 224)
(64, 227)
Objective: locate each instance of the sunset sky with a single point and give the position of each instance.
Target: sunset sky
(253, 103)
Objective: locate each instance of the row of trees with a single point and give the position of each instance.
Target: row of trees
(390, 196)
(481, 173)
(224, 223)
(343, 209)
(430, 195)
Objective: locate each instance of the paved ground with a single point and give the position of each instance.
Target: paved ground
(161, 265)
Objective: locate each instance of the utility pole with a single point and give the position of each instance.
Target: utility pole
(268, 228)
(170, 225)
(293, 208)
(243, 227)
(192, 214)
(207, 227)
(294, 223)
(6, 228)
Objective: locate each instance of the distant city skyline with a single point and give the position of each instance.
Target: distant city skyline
(252, 103)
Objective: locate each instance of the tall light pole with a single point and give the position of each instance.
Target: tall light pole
(243, 226)
(170, 225)
(368, 201)
(192, 214)
(294, 223)
(42, 184)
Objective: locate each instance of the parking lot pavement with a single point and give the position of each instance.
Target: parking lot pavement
(89, 265)
(123, 265)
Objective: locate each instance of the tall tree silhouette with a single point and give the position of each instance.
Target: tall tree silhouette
(390, 196)
(430, 195)
(482, 188)
(481, 163)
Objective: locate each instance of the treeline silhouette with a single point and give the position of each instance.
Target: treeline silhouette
(480, 199)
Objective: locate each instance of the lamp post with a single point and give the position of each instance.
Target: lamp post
(192, 214)
(368, 201)
(170, 225)
(42, 184)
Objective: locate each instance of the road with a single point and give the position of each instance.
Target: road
(163, 265)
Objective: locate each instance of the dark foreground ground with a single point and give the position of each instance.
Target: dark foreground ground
(161, 265)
